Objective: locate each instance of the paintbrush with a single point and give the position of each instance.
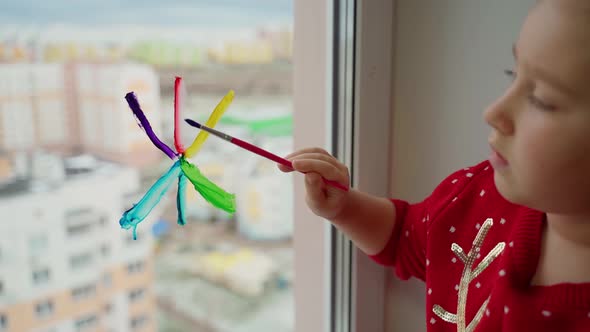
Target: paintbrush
(255, 149)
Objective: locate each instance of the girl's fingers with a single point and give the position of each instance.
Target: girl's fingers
(320, 156)
(284, 168)
(307, 150)
(323, 168)
(314, 188)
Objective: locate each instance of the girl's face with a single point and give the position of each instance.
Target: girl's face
(541, 125)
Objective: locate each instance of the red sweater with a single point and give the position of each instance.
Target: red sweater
(486, 288)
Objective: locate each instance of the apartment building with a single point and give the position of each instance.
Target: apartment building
(78, 107)
(107, 126)
(65, 264)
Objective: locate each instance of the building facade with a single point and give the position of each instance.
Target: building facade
(67, 265)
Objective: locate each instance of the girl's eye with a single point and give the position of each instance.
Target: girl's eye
(510, 73)
(532, 99)
(538, 103)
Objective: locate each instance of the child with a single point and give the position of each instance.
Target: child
(503, 245)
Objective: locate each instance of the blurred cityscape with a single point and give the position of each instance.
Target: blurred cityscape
(72, 160)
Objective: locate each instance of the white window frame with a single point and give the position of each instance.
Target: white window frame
(311, 91)
(337, 287)
(372, 146)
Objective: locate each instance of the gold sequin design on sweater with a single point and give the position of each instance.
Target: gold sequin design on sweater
(468, 275)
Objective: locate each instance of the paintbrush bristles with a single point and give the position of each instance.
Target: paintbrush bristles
(193, 123)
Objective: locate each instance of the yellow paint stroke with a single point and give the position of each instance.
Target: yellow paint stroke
(211, 122)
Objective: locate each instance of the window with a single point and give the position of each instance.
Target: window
(78, 64)
(105, 250)
(76, 230)
(44, 309)
(41, 276)
(136, 294)
(80, 221)
(38, 243)
(78, 213)
(107, 280)
(135, 267)
(138, 321)
(86, 323)
(103, 220)
(130, 241)
(3, 322)
(130, 199)
(81, 260)
(83, 292)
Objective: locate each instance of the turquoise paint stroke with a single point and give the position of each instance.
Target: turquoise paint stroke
(181, 199)
(132, 217)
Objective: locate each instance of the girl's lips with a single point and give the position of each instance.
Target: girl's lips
(497, 160)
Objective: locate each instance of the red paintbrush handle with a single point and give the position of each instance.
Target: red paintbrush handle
(277, 159)
(261, 152)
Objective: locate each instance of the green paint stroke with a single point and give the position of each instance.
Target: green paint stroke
(208, 190)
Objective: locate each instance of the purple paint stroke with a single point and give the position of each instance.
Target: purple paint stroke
(144, 123)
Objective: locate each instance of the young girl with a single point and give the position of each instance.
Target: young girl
(503, 245)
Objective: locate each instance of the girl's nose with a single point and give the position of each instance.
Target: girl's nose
(500, 115)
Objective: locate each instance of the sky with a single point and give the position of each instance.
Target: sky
(200, 21)
(218, 13)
